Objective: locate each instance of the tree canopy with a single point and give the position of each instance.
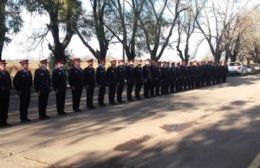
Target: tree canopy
(10, 21)
(141, 27)
(63, 15)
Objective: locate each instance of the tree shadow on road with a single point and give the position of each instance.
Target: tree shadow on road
(229, 143)
(80, 126)
(216, 146)
(236, 82)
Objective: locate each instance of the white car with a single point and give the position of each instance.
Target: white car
(256, 66)
(237, 68)
(250, 69)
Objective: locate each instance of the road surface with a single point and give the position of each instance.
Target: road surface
(215, 127)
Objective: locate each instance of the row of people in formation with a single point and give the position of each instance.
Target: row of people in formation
(156, 78)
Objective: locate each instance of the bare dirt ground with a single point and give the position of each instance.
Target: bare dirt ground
(215, 127)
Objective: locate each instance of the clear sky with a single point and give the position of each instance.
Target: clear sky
(22, 45)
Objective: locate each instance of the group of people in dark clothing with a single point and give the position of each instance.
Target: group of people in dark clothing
(156, 78)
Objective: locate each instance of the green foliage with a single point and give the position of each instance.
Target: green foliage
(63, 15)
(10, 18)
(65, 10)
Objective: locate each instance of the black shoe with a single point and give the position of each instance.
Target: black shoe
(91, 107)
(102, 105)
(130, 100)
(25, 120)
(112, 103)
(44, 117)
(77, 110)
(138, 98)
(4, 125)
(121, 101)
(62, 113)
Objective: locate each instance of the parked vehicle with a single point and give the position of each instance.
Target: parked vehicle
(237, 68)
(250, 69)
(256, 66)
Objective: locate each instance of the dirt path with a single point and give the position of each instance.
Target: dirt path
(216, 127)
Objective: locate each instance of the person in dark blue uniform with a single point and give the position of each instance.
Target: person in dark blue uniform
(173, 78)
(154, 77)
(224, 72)
(112, 81)
(178, 78)
(5, 87)
(76, 83)
(192, 75)
(42, 84)
(121, 76)
(164, 78)
(147, 78)
(59, 84)
(184, 76)
(138, 79)
(23, 83)
(168, 77)
(158, 82)
(89, 81)
(130, 78)
(204, 73)
(101, 82)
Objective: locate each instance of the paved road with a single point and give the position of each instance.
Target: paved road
(216, 127)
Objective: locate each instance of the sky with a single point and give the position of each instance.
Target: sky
(22, 45)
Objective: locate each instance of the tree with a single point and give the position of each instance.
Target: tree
(232, 38)
(124, 23)
(250, 36)
(216, 23)
(157, 22)
(94, 24)
(186, 27)
(63, 16)
(10, 21)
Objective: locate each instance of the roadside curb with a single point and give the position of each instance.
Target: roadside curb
(256, 162)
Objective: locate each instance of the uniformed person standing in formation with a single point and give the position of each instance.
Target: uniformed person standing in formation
(112, 82)
(173, 71)
(147, 78)
(5, 87)
(89, 80)
(101, 82)
(59, 83)
(164, 79)
(138, 79)
(42, 84)
(158, 79)
(76, 83)
(121, 75)
(23, 83)
(130, 79)
(178, 78)
(154, 77)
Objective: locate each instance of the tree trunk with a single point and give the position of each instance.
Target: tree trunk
(57, 49)
(2, 26)
(2, 35)
(186, 51)
(59, 52)
(217, 56)
(180, 53)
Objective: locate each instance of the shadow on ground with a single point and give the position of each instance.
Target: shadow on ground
(102, 120)
(213, 147)
(236, 81)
